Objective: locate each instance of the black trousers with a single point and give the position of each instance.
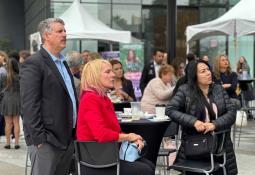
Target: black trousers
(140, 167)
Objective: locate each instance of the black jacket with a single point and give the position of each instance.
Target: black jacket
(182, 111)
(147, 74)
(46, 104)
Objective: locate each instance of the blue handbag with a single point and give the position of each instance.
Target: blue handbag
(129, 152)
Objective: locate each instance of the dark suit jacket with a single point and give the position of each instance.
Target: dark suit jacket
(46, 104)
(147, 74)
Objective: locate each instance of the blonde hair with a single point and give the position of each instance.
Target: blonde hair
(216, 66)
(91, 73)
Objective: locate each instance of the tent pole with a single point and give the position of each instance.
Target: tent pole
(80, 45)
(110, 46)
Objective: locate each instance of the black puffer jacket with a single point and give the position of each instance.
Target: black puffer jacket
(181, 111)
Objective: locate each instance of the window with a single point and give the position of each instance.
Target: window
(127, 17)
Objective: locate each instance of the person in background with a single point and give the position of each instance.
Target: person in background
(224, 76)
(165, 58)
(3, 74)
(3, 69)
(49, 103)
(23, 55)
(242, 65)
(10, 104)
(14, 54)
(94, 55)
(158, 90)
(98, 122)
(150, 70)
(214, 112)
(190, 57)
(123, 88)
(179, 67)
(205, 58)
(85, 56)
(74, 61)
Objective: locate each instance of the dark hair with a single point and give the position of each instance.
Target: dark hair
(196, 94)
(176, 64)
(154, 52)
(14, 54)
(115, 62)
(24, 54)
(123, 79)
(190, 57)
(12, 70)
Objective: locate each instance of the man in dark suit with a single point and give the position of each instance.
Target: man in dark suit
(49, 103)
(150, 70)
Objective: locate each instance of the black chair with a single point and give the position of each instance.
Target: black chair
(205, 167)
(27, 164)
(171, 132)
(97, 155)
(247, 94)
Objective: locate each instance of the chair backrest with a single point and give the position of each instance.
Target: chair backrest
(219, 137)
(97, 155)
(172, 129)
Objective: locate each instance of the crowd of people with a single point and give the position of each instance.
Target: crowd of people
(62, 99)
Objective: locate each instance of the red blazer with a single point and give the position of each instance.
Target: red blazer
(97, 120)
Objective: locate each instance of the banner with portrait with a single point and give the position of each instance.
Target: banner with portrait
(132, 59)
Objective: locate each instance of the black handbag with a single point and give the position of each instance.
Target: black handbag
(200, 146)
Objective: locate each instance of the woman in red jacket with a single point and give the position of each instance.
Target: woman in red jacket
(97, 120)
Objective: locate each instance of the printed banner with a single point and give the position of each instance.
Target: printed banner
(111, 55)
(132, 59)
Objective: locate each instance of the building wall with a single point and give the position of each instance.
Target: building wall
(35, 11)
(12, 22)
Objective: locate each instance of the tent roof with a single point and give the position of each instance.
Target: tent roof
(80, 24)
(239, 19)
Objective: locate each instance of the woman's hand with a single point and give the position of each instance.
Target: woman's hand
(226, 86)
(209, 127)
(200, 127)
(132, 137)
(119, 93)
(124, 95)
(139, 144)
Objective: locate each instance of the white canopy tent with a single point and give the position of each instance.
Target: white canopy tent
(80, 24)
(238, 21)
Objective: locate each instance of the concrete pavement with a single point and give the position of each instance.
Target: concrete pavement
(12, 162)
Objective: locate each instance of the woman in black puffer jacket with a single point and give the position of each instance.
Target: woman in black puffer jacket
(189, 109)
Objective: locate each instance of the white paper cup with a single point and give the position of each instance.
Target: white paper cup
(160, 110)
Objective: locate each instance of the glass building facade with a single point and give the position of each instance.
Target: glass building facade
(149, 21)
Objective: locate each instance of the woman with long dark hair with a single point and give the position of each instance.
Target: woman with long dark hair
(123, 88)
(10, 106)
(201, 106)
